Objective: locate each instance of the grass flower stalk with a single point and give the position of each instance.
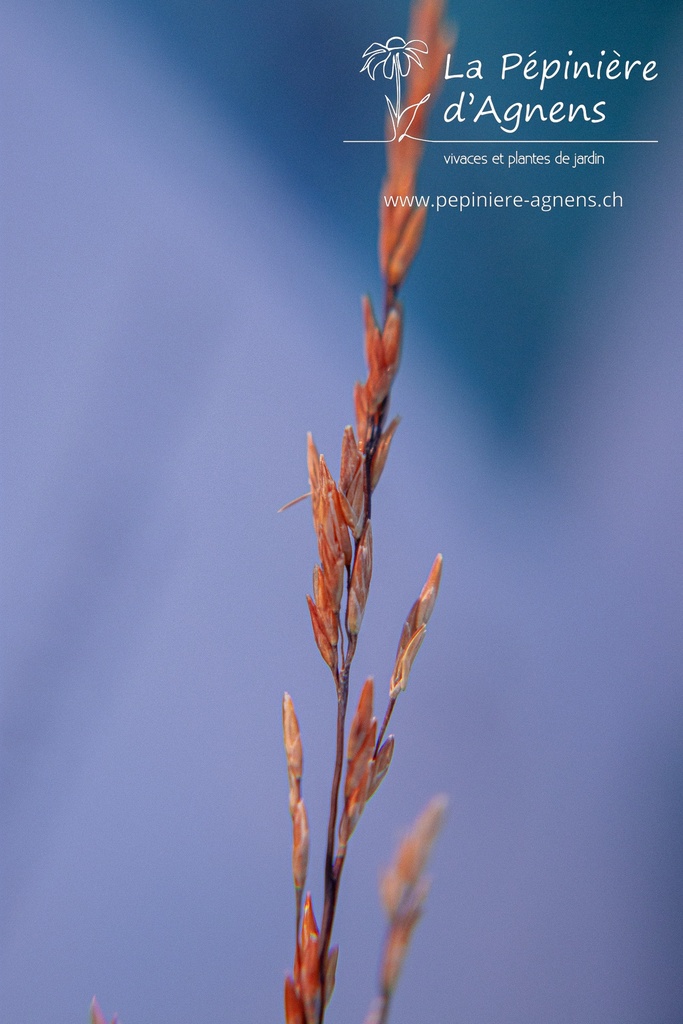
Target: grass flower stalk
(342, 520)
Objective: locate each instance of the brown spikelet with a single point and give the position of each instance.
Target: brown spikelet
(313, 460)
(351, 489)
(406, 247)
(358, 499)
(428, 595)
(380, 374)
(376, 1012)
(322, 602)
(294, 1010)
(309, 964)
(400, 179)
(349, 515)
(328, 652)
(309, 979)
(332, 564)
(300, 846)
(392, 335)
(382, 452)
(396, 949)
(400, 880)
(309, 925)
(404, 890)
(360, 726)
(404, 662)
(360, 581)
(353, 808)
(380, 765)
(360, 764)
(373, 336)
(360, 401)
(427, 23)
(334, 543)
(331, 973)
(414, 629)
(404, 154)
(96, 1015)
(350, 460)
(339, 507)
(293, 747)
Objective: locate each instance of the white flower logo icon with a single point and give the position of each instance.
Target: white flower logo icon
(395, 57)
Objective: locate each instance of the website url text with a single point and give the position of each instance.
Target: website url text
(492, 200)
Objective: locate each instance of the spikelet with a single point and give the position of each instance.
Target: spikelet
(373, 353)
(404, 889)
(300, 846)
(350, 462)
(406, 247)
(334, 544)
(382, 353)
(96, 1015)
(331, 973)
(359, 764)
(360, 581)
(297, 809)
(380, 765)
(328, 652)
(294, 1008)
(363, 423)
(326, 612)
(402, 885)
(309, 964)
(375, 1012)
(352, 479)
(382, 452)
(400, 226)
(414, 629)
(293, 750)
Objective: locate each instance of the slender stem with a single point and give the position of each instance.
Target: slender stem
(297, 932)
(370, 449)
(384, 1001)
(390, 296)
(331, 875)
(385, 723)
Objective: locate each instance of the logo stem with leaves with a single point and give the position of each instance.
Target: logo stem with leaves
(395, 58)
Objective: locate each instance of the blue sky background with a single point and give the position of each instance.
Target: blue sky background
(185, 239)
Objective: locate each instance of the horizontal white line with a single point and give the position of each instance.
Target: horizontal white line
(520, 142)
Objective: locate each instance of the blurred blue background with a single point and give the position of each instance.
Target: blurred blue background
(185, 238)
